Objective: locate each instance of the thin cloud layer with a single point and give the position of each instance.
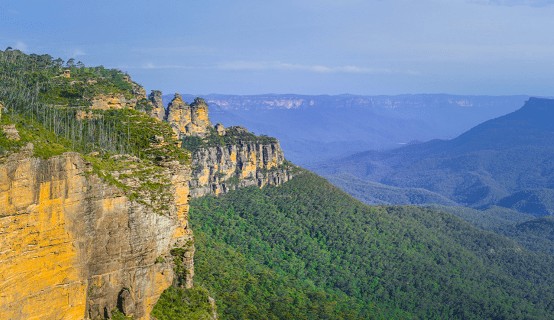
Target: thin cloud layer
(20, 45)
(325, 46)
(262, 66)
(75, 53)
(529, 3)
(272, 66)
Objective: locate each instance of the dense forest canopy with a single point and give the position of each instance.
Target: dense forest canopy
(307, 250)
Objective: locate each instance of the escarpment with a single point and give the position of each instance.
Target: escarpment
(244, 161)
(76, 247)
(95, 184)
(224, 159)
(93, 194)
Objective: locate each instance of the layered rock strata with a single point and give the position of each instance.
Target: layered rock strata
(74, 247)
(219, 169)
(225, 159)
(112, 101)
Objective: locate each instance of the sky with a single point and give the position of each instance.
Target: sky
(484, 47)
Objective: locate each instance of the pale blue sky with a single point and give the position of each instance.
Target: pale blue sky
(300, 46)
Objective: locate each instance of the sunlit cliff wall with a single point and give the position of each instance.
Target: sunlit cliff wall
(219, 169)
(74, 247)
(224, 159)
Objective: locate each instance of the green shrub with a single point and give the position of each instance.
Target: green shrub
(186, 304)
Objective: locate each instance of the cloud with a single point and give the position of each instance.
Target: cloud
(187, 49)
(282, 66)
(511, 3)
(77, 53)
(153, 66)
(20, 45)
(272, 66)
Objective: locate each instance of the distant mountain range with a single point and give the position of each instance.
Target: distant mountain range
(316, 128)
(507, 161)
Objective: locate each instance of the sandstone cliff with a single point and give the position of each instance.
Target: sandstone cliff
(225, 159)
(188, 120)
(157, 106)
(85, 240)
(244, 160)
(112, 101)
(120, 100)
(222, 159)
(76, 247)
(105, 227)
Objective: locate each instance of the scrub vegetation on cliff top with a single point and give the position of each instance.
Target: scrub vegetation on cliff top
(233, 136)
(52, 112)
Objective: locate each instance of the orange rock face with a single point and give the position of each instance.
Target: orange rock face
(112, 101)
(188, 120)
(73, 247)
(218, 169)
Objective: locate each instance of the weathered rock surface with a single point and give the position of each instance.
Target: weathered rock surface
(158, 110)
(119, 100)
(219, 169)
(188, 120)
(240, 160)
(74, 247)
(220, 129)
(11, 132)
(113, 101)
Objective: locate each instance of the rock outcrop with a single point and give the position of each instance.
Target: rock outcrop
(113, 101)
(75, 247)
(119, 100)
(11, 132)
(220, 129)
(220, 168)
(188, 120)
(223, 159)
(157, 106)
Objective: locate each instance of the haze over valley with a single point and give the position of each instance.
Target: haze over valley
(317, 128)
(276, 160)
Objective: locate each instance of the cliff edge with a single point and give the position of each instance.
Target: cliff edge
(75, 246)
(93, 194)
(224, 159)
(95, 179)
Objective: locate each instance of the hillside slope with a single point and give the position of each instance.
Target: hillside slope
(342, 259)
(490, 164)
